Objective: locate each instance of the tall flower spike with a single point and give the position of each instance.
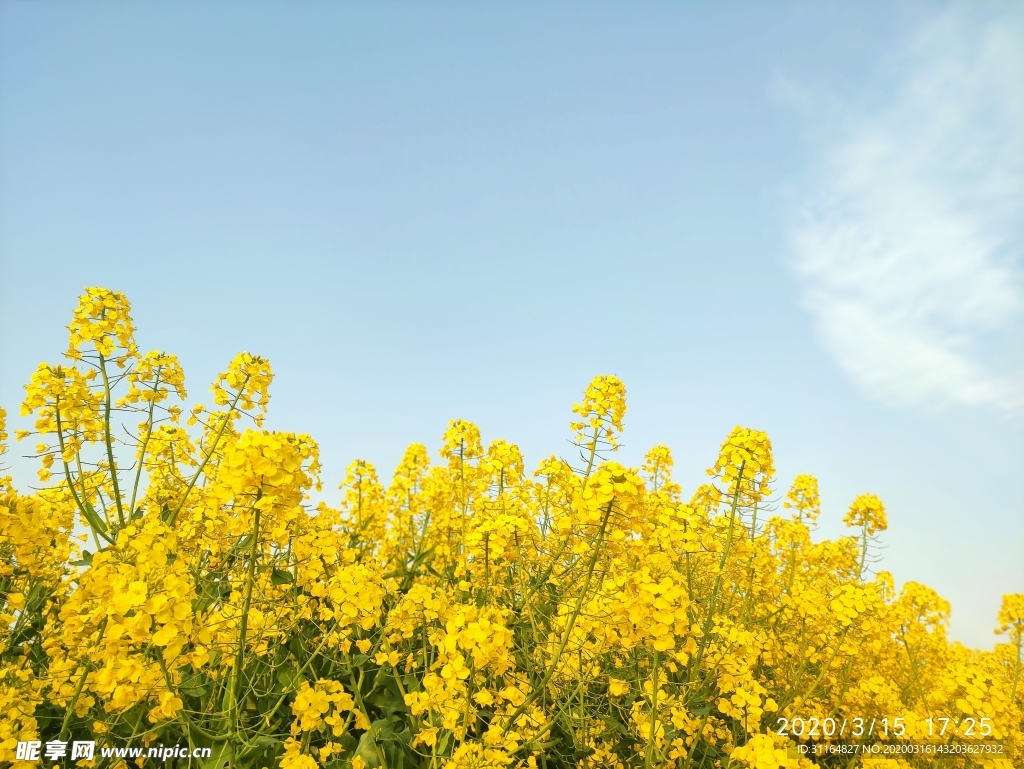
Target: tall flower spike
(461, 442)
(503, 463)
(246, 384)
(868, 511)
(270, 462)
(68, 413)
(360, 482)
(154, 378)
(601, 412)
(658, 465)
(1011, 618)
(802, 498)
(102, 318)
(610, 483)
(745, 465)
(706, 498)
(409, 474)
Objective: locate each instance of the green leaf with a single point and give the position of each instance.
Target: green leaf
(281, 577)
(388, 697)
(192, 687)
(95, 521)
(86, 559)
(384, 729)
(411, 682)
(614, 724)
(219, 756)
(288, 678)
(257, 747)
(442, 743)
(426, 554)
(367, 751)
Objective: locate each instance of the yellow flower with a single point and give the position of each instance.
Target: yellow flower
(103, 319)
(580, 614)
(602, 411)
(245, 385)
(867, 511)
(802, 498)
(617, 688)
(745, 464)
(760, 752)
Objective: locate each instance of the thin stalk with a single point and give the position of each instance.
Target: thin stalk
(182, 714)
(863, 551)
(142, 453)
(706, 630)
(107, 439)
(358, 691)
(654, 713)
(209, 454)
(1016, 668)
(297, 677)
(67, 475)
(462, 479)
(593, 454)
(532, 742)
(78, 688)
(236, 682)
(914, 671)
(99, 494)
(542, 686)
(826, 666)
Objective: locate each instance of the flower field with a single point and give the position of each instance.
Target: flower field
(170, 584)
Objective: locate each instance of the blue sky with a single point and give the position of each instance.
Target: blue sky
(802, 218)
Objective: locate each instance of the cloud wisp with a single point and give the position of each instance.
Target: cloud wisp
(908, 242)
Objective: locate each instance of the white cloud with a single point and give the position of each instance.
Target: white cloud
(908, 244)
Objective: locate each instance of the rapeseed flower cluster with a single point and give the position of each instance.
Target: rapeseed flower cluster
(173, 583)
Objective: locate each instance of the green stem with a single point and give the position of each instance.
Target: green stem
(78, 688)
(706, 630)
(209, 454)
(108, 441)
(532, 744)
(825, 668)
(67, 475)
(593, 454)
(236, 682)
(913, 670)
(190, 726)
(542, 686)
(863, 552)
(358, 691)
(654, 713)
(297, 677)
(142, 453)
(1016, 669)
